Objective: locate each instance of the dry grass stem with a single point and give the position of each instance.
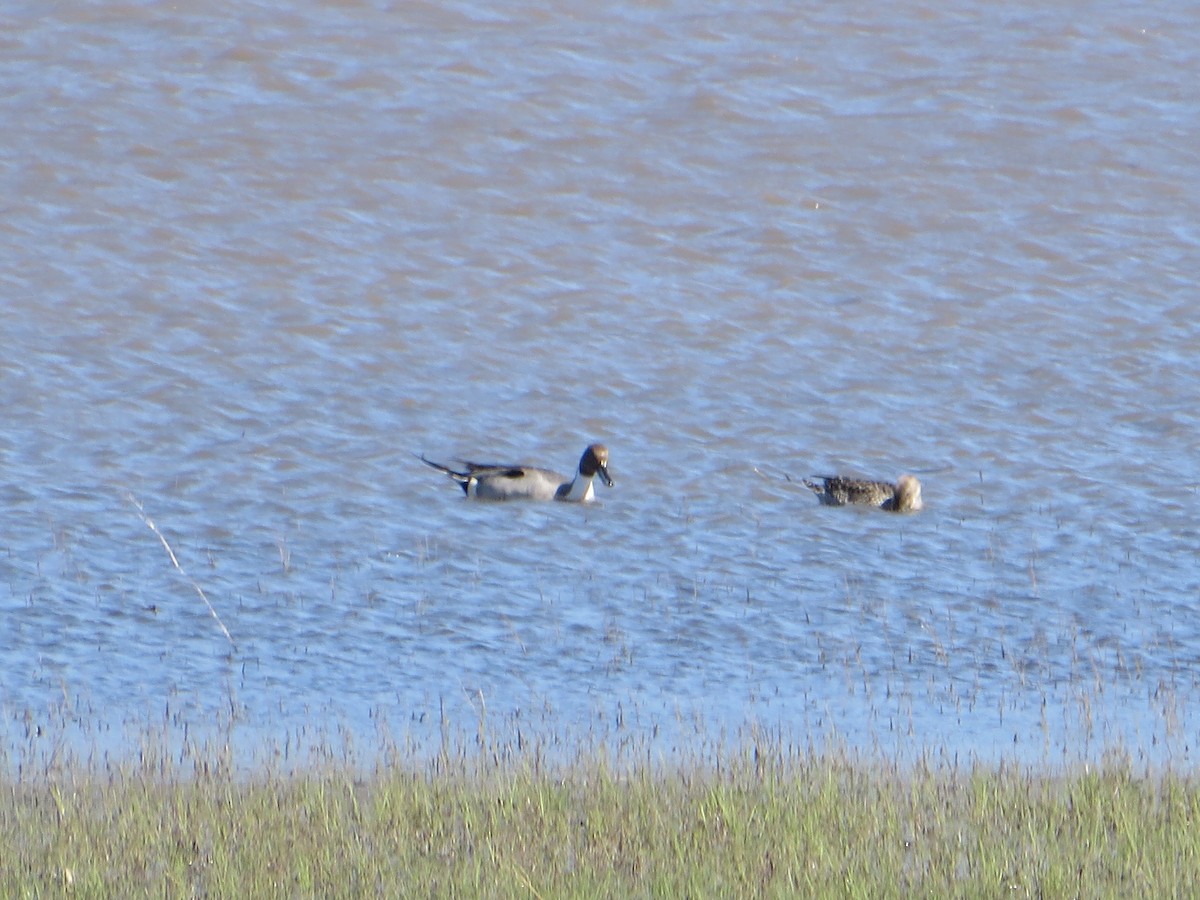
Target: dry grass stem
(175, 562)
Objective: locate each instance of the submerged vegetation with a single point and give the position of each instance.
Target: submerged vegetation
(763, 819)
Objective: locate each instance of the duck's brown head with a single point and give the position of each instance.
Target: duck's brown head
(595, 462)
(908, 494)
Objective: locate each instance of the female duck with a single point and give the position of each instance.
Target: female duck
(903, 496)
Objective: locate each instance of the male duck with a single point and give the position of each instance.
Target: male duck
(485, 481)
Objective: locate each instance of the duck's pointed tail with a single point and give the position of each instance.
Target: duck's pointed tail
(463, 478)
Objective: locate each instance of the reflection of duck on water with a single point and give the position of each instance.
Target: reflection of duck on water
(903, 496)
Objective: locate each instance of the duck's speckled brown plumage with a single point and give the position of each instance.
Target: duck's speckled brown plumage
(903, 496)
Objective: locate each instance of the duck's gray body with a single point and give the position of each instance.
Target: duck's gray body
(903, 496)
(489, 481)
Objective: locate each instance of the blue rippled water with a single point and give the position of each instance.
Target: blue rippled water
(252, 262)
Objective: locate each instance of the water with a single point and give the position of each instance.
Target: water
(251, 259)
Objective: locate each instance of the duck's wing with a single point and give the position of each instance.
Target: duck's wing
(862, 491)
(496, 470)
(838, 490)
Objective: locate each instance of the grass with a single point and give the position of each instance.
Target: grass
(763, 820)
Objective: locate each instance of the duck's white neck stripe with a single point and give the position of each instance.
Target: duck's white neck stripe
(581, 489)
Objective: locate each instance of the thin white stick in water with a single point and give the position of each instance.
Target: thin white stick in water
(175, 562)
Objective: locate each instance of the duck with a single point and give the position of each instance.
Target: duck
(903, 496)
(492, 481)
